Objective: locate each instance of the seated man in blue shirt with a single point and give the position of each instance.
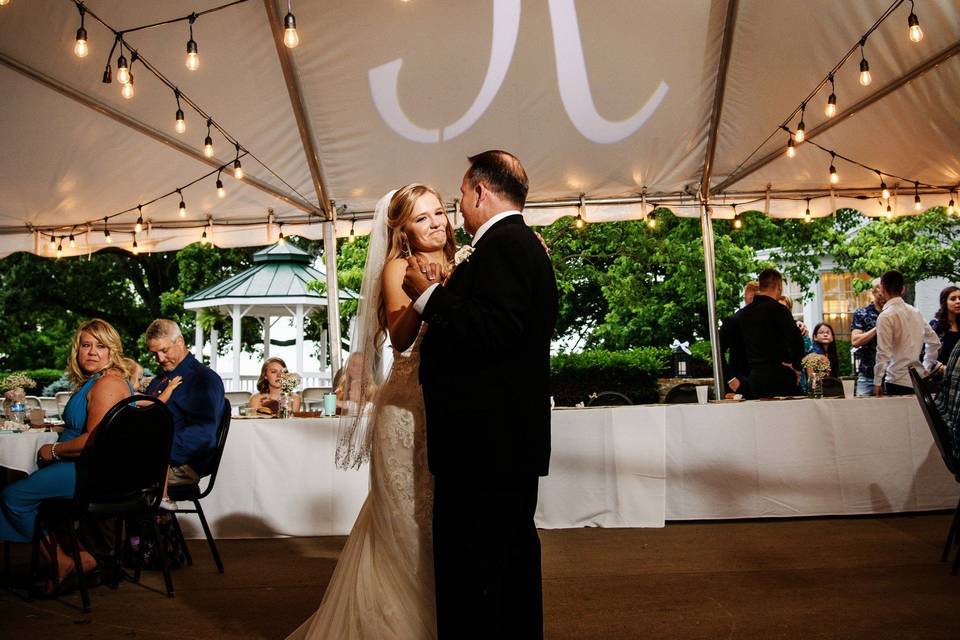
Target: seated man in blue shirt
(196, 401)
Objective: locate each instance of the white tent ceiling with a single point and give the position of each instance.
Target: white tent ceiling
(603, 98)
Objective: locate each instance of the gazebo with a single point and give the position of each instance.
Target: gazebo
(276, 285)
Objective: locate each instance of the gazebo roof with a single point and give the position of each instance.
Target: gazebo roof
(277, 281)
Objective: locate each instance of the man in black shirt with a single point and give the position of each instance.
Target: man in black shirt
(734, 352)
(773, 341)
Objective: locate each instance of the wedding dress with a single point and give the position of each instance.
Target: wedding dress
(382, 587)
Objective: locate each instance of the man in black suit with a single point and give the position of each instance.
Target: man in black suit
(773, 340)
(736, 368)
(485, 373)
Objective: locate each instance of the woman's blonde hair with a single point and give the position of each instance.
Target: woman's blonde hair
(399, 213)
(262, 385)
(103, 332)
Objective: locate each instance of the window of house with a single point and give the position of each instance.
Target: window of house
(840, 301)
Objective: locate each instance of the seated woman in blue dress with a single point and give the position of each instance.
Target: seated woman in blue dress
(95, 366)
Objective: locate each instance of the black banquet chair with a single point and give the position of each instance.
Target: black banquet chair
(941, 436)
(686, 393)
(121, 474)
(193, 493)
(833, 388)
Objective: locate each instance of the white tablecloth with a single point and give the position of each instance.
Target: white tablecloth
(19, 450)
(625, 467)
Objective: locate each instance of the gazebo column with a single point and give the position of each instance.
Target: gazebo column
(214, 342)
(198, 339)
(298, 324)
(266, 337)
(235, 314)
(333, 295)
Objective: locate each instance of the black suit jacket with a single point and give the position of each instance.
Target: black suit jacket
(485, 359)
(734, 352)
(772, 338)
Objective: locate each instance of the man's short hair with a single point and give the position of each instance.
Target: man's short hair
(892, 282)
(502, 173)
(769, 278)
(163, 328)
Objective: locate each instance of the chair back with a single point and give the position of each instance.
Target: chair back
(313, 396)
(238, 398)
(833, 388)
(935, 421)
(127, 453)
(32, 402)
(686, 393)
(49, 406)
(222, 432)
(609, 399)
(62, 398)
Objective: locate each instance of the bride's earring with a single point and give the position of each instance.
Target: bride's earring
(404, 245)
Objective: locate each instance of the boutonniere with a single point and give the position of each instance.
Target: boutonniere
(462, 255)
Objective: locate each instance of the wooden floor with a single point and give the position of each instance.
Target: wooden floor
(873, 577)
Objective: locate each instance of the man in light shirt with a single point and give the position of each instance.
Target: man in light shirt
(902, 335)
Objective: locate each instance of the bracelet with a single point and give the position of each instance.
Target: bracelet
(53, 451)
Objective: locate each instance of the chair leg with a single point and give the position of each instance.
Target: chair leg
(952, 535)
(183, 541)
(168, 581)
(206, 532)
(78, 567)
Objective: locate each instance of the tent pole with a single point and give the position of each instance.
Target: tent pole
(706, 227)
(214, 346)
(266, 337)
(298, 325)
(235, 314)
(333, 295)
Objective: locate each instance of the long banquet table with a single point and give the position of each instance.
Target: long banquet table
(625, 467)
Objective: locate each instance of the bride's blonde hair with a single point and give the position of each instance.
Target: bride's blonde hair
(399, 213)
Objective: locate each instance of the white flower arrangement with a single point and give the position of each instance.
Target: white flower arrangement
(462, 255)
(14, 385)
(289, 381)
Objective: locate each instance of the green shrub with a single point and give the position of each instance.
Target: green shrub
(633, 373)
(43, 378)
(843, 355)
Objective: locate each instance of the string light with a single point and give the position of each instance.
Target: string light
(831, 109)
(53, 243)
(802, 127)
(127, 90)
(193, 56)
(208, 141)
(916, 33)
(221, 193)
(916, 197)
(106, 232)
(123, 71)
(884, 192)
(580, 223)
(203, 237)
(183, 205)
(237, 169)
(107, 74)
(136, 249)
(791, 150)
(865, 77)
(280, 239)
(352, 238)
(737, 223)
(951, 207)
(139, 226)
(73, 243)
(290, 37)
(834, 177)
(80, 48)
(181, 124)
(806, 216)
(652, 220)
(60, 249)
(888, 214)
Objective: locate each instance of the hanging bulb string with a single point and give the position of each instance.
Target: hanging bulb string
(119, 35)
(853, 50)
(193, 14)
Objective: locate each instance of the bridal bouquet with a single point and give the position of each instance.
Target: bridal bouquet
(817, 363)
(289, 381)
(13, 386)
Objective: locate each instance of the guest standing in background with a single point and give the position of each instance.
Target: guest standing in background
(825, 344)
(773, 340)
(269, 386)
(732, 348)
(944, 322)
(902, 335)
(863, 338)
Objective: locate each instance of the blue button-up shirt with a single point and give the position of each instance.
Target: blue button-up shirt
(866, 319)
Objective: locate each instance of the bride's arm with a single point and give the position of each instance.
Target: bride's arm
(402, 320)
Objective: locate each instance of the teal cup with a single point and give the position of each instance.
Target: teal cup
(329, 404)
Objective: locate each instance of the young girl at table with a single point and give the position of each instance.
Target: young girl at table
(267, 402)
(96, 367)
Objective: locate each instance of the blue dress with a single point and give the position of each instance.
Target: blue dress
(21, 500)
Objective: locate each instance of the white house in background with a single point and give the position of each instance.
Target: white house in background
(833, 300)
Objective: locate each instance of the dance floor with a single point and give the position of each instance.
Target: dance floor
(871, 577)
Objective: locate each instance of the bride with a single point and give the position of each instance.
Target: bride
(383, 586)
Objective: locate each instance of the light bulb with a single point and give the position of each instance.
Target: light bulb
(580, 223)
(127, 90)
(652, 222)
(220, 192)
(834, 176)
(806, 216)
(136, 249)
(139, 226)
(183, 208)
(106, 234)
(203, 238)
(352, 238)
(237, 170)
(53, 243)
(123, 71)
(737, 223)
(181, 125)
(4, 3)
(917, 206)
(884, 192)
(81, 48)
(281, 239)
(865, 77)
(791, 150)
(951, 208)
(59, 250)
(916, 33)
(889, 212)
(193, 58)
(73, 243)
(800, 134)
(831, 109)
(208, 147)
(290, 37)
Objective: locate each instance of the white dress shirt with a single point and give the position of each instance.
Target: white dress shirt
(902, 334)
(421, 302)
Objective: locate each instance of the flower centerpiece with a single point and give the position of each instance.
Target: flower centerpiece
(817, 366)
(13, 387)
(288, 382)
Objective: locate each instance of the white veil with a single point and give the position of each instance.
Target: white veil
(365, 369)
